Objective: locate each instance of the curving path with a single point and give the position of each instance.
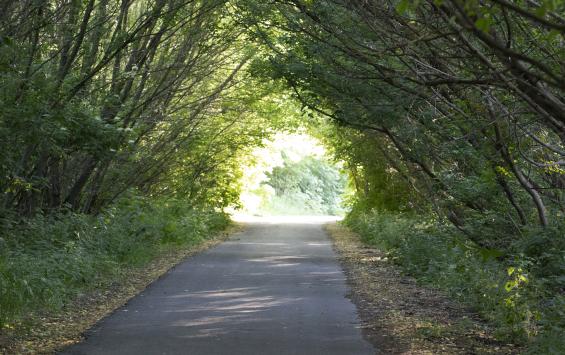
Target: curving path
(275, 288)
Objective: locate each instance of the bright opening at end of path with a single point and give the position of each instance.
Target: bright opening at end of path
(285, 219)
(291, 179)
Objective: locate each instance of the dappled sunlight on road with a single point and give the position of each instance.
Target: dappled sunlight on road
(227, 310)
(273, 287)
(211, 313)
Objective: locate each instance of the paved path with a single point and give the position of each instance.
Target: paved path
(275, 288)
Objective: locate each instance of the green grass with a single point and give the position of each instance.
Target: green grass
(46, 261)
(520, 294)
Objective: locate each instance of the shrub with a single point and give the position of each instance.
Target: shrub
(47, 260)
(518, 291)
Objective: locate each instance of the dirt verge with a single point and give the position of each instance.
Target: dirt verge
(49, 332)
(401, 317)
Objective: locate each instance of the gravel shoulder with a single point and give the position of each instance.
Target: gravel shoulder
(398, 315)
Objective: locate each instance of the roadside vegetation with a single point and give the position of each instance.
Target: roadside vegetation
(400, 313)
(47, 261)
(517, 294)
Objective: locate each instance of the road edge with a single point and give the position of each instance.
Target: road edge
(400, 316)
(52, 332)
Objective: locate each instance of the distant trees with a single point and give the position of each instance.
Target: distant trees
(307, 186)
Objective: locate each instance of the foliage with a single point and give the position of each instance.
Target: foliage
(103, 99)
(307, 186)
(47, 260)
(519, 294)
(373, 182)
(100, 97)
(440, 106)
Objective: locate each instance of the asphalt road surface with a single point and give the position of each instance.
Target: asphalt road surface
(275, 288)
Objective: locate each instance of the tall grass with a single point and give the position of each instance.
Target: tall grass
(47, 260)
(520, 292)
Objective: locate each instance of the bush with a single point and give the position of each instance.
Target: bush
(308, 186)
(47, 260)
(519, 292)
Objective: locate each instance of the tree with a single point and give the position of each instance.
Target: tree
(454, 94)
(310, 185)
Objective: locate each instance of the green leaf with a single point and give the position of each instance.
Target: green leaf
(483, 24)
(402, 6)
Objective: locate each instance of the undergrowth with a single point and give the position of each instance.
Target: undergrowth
(45, 261)
(519, 291)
